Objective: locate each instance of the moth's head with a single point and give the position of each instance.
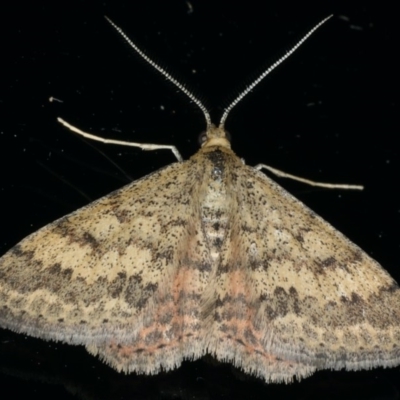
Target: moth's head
(215, 136)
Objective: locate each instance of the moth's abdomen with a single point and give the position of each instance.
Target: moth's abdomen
(216, 199)
(215, 223)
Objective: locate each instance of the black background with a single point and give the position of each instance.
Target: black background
(329, 113)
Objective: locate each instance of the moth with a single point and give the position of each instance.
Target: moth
(207, 255)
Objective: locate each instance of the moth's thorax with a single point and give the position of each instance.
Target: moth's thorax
(217, 200)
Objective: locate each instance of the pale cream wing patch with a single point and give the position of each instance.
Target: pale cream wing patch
(115, 272)
(294, 295)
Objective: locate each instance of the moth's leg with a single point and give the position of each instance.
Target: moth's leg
(282, 174)
(143, 146)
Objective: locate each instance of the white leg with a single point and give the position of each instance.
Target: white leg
(282, 174)
(143, 146)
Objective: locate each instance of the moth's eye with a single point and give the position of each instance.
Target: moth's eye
(228, 136)
(202, 138)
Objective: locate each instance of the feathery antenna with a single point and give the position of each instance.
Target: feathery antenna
(268, 71)
(162, 71)
(241, 95)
